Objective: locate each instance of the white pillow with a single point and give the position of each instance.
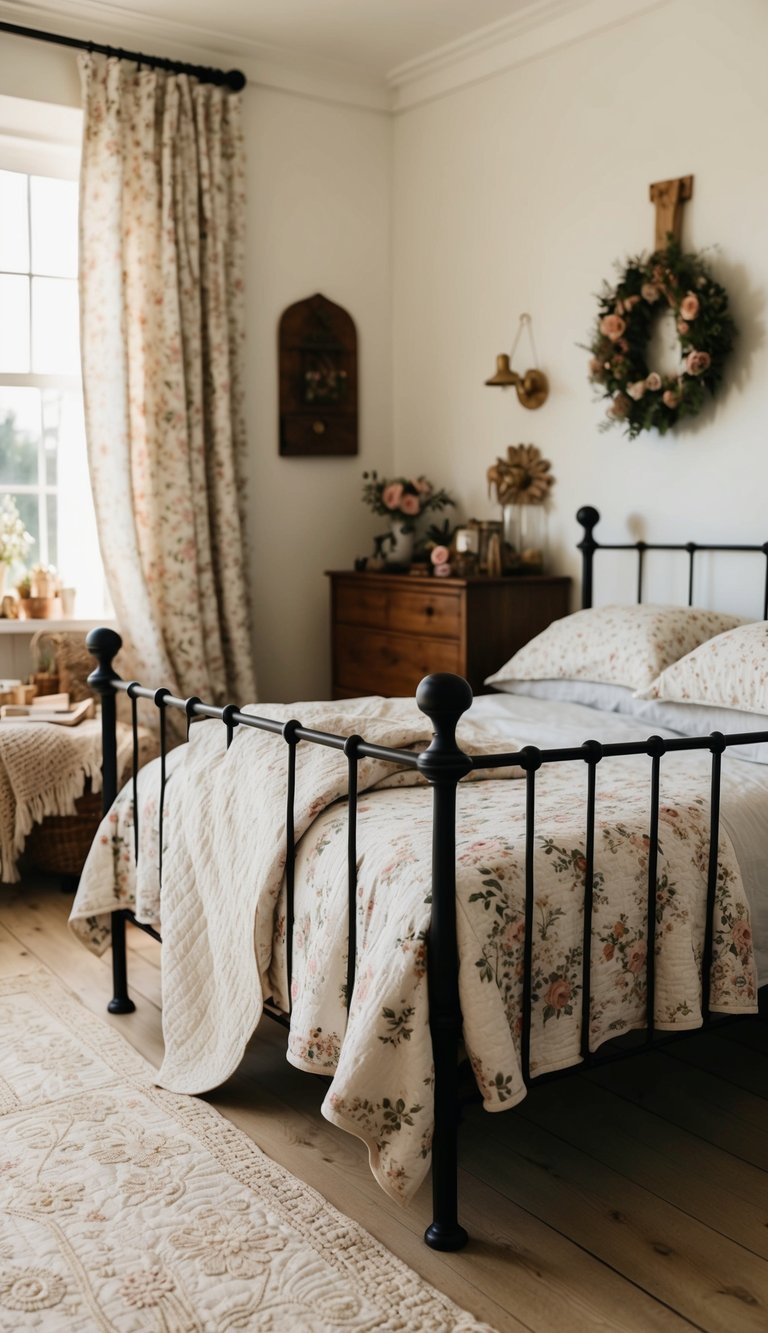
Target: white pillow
(730, 671)
(701, 720)
(618, 645)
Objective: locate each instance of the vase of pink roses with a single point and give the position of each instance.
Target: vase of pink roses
(402, 500)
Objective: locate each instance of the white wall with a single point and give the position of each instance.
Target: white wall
(319, 177)
(517, 194)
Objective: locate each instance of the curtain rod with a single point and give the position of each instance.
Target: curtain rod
(233, 79)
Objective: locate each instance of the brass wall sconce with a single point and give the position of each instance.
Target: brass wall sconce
(532, 387)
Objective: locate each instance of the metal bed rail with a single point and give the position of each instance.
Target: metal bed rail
(443, 698)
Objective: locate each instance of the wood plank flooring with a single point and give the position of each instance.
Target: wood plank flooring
(621, 1200)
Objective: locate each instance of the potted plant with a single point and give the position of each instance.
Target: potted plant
(402, 500)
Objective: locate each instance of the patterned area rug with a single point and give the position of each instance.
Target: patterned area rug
(127, 1208)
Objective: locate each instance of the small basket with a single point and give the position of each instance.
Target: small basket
(60, 844)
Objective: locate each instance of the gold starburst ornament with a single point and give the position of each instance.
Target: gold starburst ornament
(523, 477)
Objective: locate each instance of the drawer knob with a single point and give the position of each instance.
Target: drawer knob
(318, 427)
(429, 610)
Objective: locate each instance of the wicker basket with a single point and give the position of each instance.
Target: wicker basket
(60, 844)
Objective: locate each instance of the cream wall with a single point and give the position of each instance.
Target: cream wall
(517, 194)
(318, 181)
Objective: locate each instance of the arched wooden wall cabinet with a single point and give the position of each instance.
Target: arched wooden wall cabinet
(317, 357)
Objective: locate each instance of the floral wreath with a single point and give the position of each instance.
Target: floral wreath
(641, 398)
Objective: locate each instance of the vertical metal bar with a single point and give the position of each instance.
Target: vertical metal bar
(656, 750)
(592, 755)
(350, 750)
(159, 702)
(135, 768)
(588, 517)
(444, 698)
(717, 744)
(640, 559)
(105, 644)
(227, 717)
(289, 736)
(765, 589)
(530, 816)
(691, 549)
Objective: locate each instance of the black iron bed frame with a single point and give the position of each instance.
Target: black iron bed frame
(443, 698)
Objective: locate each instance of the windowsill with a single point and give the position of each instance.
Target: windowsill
(67, 626)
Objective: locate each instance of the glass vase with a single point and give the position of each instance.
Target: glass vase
(525, 538)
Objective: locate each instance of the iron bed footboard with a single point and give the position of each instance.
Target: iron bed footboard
(443, 698)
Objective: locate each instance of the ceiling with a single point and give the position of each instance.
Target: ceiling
(374, 36)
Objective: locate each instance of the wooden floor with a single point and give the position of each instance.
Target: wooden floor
(635, 1198)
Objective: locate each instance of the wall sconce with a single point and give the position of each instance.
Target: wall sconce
(532, 387)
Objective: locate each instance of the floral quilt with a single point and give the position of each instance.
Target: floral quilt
(378, 1053)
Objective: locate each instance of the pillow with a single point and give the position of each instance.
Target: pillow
(590, 693)
(701, 720)
(730, 671)
(618, 645)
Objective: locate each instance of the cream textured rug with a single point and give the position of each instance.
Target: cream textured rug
(127, 1208)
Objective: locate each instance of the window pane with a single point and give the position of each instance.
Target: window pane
(55, 331)
(14, 324)
(54, 226)
(29, 513)
(14, 232)
(52, 505)
(54, 403)
(19, 436)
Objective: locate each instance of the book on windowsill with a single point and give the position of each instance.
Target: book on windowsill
(65, 716)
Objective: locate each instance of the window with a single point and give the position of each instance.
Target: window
(43, 459)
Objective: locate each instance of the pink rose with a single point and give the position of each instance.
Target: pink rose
(439, 555)
(636, 957)
(697, 362)
(670, 398)
(653, 381)
(392, 495)
(619, 929)
(682, 326)
(630, 302)
(649, 292)
(636, 390)
(741, 935)
(410, 504)
(689, 306)
(558, 994)
(423, 486)
(608, 951)
(612, 326)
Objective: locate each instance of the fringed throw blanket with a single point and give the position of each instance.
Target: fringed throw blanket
(223, 918)
(43, 770)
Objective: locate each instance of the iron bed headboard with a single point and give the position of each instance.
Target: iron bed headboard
(443, 698)
(588, 517)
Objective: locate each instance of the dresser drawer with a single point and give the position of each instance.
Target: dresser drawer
(434, 613)
(373, 662)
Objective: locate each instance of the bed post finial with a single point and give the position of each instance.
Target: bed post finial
(444, 697)
(589, 518)
(105, 644)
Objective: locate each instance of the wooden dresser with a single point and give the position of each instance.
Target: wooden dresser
(390, 630)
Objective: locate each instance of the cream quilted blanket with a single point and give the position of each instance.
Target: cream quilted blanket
(222, 907)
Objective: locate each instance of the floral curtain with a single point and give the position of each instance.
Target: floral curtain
(162, 316)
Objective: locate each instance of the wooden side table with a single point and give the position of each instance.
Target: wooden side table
(390, 630)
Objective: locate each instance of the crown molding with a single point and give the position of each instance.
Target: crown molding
(264, 66)
(541, 27)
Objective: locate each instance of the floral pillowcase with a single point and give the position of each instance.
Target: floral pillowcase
(619, 645)
(730, 671)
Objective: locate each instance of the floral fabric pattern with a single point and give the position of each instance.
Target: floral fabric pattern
(729, 671)
(162, 313)
(123, 1207)
(379, 1053)
(619, 645)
